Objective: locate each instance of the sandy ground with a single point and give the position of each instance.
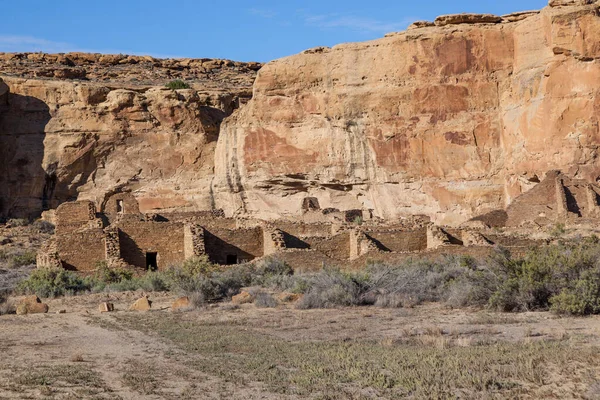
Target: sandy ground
(104, 358)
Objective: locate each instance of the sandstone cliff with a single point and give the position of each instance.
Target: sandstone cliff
(450, 119)
(68, 138)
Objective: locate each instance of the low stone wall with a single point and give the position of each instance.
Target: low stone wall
(400, 241)
(336, 247)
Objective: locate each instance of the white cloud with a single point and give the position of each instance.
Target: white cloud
(363, 24)
(29, 44)
(16, 43)
(263, 12)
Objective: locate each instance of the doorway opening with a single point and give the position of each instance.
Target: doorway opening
(151, 261)
(120, 206)
(232, 259)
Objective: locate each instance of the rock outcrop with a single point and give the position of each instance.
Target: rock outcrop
(447, 121)
(450, 119)
(67, 139)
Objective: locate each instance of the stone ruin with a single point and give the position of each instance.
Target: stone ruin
(120, 235)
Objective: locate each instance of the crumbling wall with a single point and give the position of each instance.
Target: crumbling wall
(193, 241)
(75, 215)
(273, 240)
(243, 244)
(400, 240)
(540, 204)
(302, 230)
(336, 247)
(136, 239)
(81, 250)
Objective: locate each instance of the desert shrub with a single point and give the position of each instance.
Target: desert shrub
(582, 297)
(177, 84)
(21, 259)
(18, 222)
(264, 300)
(54, 282)
(271, 272)
(456, 281)
(332, 288)
(43, 226)
(6, 305)
(107, 275)
(565, 276)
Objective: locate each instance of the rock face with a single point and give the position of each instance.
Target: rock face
(447, 121)
(66, 139)
(450, 120)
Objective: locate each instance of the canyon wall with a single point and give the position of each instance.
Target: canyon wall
(85, 126)
(449, 119)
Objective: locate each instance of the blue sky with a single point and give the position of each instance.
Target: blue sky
(236, 29)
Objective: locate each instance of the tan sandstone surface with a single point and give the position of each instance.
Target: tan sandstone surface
(450, 119)
(67, 138)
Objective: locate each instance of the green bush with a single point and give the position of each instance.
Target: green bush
(54, 283)
(177, 84)
(332, 288)
(22, 259)
(565, 277)
(264, 300)
(107, 275)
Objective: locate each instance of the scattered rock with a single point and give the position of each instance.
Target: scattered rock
(285, 297)
(242, 298)
(420, 24)
(63, 311)
(31, 305)
(181, 304)
(107, 307)
(142, 304)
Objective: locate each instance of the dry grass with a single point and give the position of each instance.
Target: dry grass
(430, 364)
(141, 377)
(58, 381)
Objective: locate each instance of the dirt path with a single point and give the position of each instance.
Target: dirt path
(85, 354)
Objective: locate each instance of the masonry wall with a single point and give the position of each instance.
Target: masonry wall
(400, 241)
(74, 215)
(335, 247)
(245, 244)
(81, 251)
(540, 204)
(165, 238)
(301, 230)
(204, 218)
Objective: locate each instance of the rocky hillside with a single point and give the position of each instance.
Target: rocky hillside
(82, 126)
(451, 119)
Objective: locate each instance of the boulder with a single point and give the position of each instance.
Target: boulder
(181, 303)
(242, 298)
(285, 297)
(31, 305)
(142, 304)
(107, 307)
